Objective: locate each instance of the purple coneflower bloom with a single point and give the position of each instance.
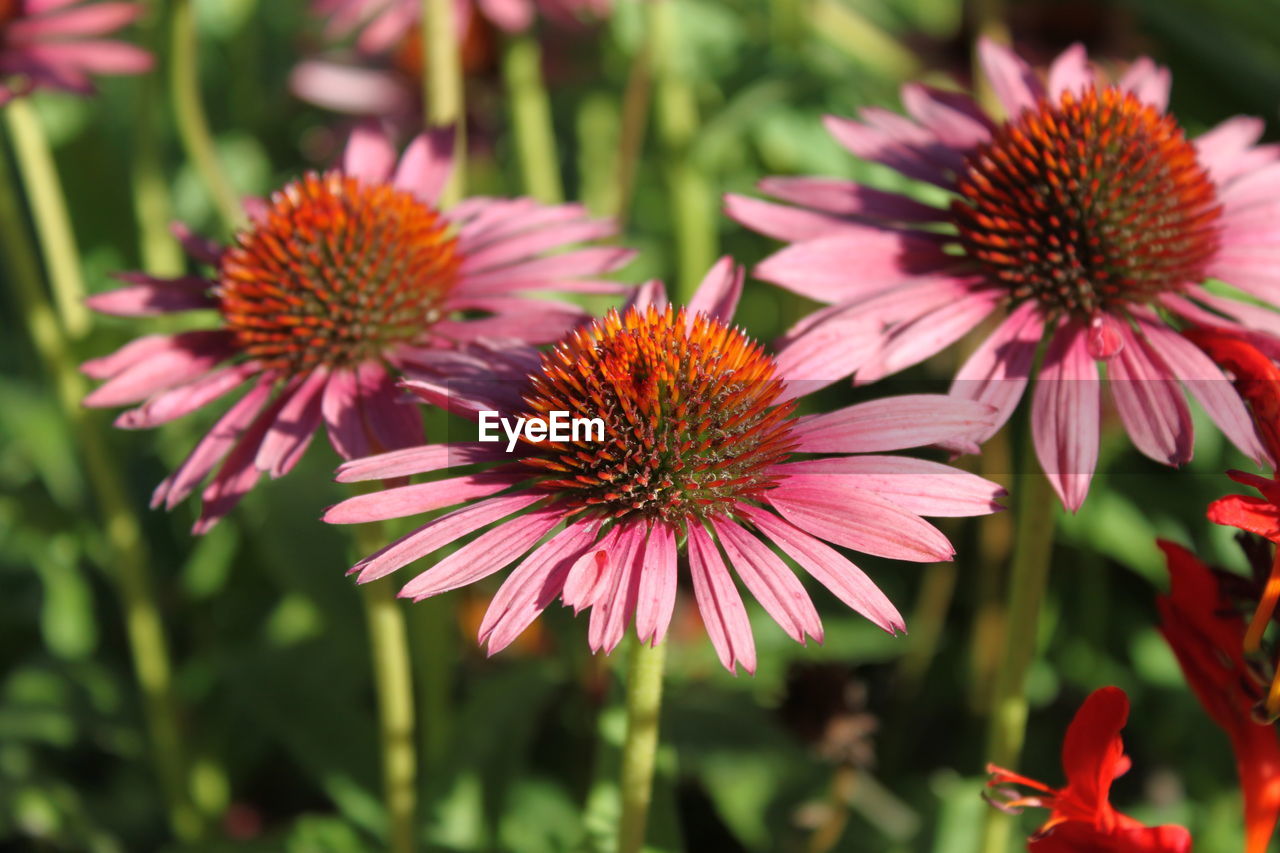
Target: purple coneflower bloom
(1085, 216)
(340, 280)
(56, 44)
(697, 457)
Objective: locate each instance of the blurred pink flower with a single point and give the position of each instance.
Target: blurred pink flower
(697, 446)
(1086, 216)
(56, 44)
(341, 279)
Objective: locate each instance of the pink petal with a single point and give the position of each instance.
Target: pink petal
(869, 524)
(927, 335)
(511, 16)
(550, 273)
(1206, 382)
(854, 264)
(916, 485)
(210, 449)
(95, 20)
(892, 423)
(391, 418)
(1148, 82)
(183, 357)
(439, 532)
(533, 243)
(619, 591)
(721, 606)
(204, 250)
(487, 553)
(652, 293)
(355, 91)
(291, 432)
(133, 353)
(426, 165)
(369, 155)
(402, 501)
(997, 371)
(1150, 402)
(845, 198)
(774, 585)
(718, 294)
(1070, 72)
(99, 57)
(846, 581)
(954, 118)
(172, 404)
(1219, 150)
(890, 147)
(535, 325)
(416, 460)
(657, 596)
(533, 585)
(1066, 415)
(784, 222)
(238, 474)
(155, 296)
(1013, 81)
(342, 415)
(582, 586)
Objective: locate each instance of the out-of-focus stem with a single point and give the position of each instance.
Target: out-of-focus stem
(987, 20)
(693, 201)
(189, 114)
(639, 750)
(1029, 575)
(49, 209)
(636, 99)
(128, 553)
(161, 254)
(442, 87)
(531, 118)
(393, 680)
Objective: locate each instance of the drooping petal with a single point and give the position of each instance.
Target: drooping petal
(657, 596)
(619, 590)
(770, 581)
(998, 370)
(290, 434)
(719, 603)
(1066, 415)
(1092, 752)
(174, 403)
(869, 524)
(1150, 402)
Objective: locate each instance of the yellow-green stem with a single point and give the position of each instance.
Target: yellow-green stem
(1029, 575)
(987, 20)
(639, 750)
(49, 209)
(442, 87)
(693, 200)
(189, 114)
(531, 118)
(636, 100)
(161, 254)
(121, 529)
(393, 680)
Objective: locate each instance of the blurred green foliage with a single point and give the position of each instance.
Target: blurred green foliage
(269, 640)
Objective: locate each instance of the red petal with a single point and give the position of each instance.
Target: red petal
(1092, 753)
(1252, 514)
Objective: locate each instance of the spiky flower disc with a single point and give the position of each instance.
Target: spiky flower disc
(335, 272)
(688, 403)
(1091, 204)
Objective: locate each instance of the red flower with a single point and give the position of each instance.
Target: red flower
(1082, 819)
(1206, 633)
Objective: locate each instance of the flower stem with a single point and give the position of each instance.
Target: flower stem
(161, 255)
(120, 526)
(49, 209)
(1029, 575)
(531, 117)
(693, 200)
(636, 100)
(188, 111)
(393, 680)
(442, 88)
(644, 703)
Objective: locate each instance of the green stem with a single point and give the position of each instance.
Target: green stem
(636, 100)
(693, 200)
(644, 704)
(1029, 576)
(120, 526)
(188, 111)
(987, 19)
(49, 209)
(442, 88)
(531, 117)
(161, 254)
(393, 680)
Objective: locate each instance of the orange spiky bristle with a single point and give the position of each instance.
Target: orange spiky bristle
(337, 272)
(1088, 205)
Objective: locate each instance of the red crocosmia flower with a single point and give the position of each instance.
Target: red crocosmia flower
(697, 459)
(58, 44)
(340, 281)
(1206, 632)
(1081, 818)
(1083, 215)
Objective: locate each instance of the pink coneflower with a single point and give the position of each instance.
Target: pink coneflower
(698, 448)
(341, 279)
(385, 76)
(55, 44)
(1086, 216)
